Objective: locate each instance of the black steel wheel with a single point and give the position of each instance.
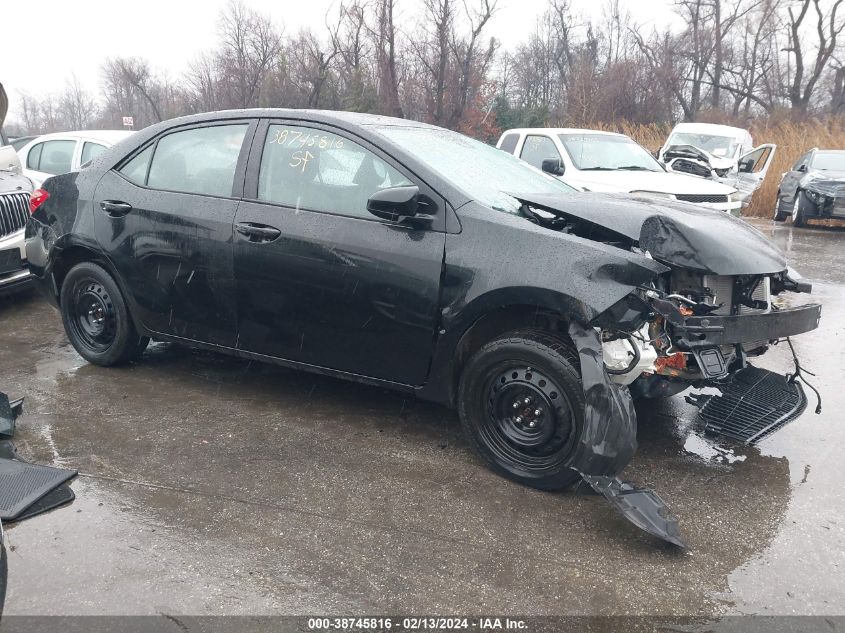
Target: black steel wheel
(521, 404)
(96, 319)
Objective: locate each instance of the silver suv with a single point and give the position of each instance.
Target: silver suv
(14, 212)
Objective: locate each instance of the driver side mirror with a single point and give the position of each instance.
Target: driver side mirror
(802, 167)
(394, 203)
(552, 166)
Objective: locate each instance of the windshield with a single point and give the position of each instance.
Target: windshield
(595, 152)
(829, 161)
(485, 173)
(722, 146)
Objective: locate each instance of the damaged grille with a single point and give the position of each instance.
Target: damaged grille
(755, 403)
(14, 212)
(690, 167)
(701, 198)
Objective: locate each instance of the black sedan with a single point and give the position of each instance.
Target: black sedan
(813, 189)
(400, 254)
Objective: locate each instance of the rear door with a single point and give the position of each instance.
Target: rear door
(752, 168)
(164, 217)
(319, 279)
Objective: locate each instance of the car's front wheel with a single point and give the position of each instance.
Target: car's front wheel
(521, 404)
(800, 208)
(96, 319)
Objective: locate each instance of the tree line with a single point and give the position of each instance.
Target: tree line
(435, 61)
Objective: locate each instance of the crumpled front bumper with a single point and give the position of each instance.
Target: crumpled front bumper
(697, 332)
(711, 330)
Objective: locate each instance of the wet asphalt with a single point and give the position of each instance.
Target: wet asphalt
(211, 485)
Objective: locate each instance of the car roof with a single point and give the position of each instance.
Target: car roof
(710, 128)
(327, 116)
(104, 136)
(559, 130)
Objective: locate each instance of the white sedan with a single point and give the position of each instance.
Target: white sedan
(607, 162)
(63, 152)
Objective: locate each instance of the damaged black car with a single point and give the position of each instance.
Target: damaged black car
(400, 254)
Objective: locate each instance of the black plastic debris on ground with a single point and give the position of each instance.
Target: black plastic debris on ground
(754, 403)
(26, 489)
(641, 506)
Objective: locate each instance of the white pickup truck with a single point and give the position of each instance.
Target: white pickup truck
(592, 160)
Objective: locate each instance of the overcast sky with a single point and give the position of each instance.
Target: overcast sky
(46, 41)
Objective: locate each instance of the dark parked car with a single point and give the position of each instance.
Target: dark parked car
(814, 189)
(400, 254)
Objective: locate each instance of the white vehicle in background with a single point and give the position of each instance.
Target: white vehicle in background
(63, 152)
(607, 162)
(718, 152)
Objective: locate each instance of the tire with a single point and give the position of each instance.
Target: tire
(96, 319)
(516, 441)
(800, 208)
(780, 213)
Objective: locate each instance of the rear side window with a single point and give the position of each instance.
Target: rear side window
(137, 168)
(536, 149)
(321, 171)
(508, 143)
(199, 160)
(33, 158)
(90, 151)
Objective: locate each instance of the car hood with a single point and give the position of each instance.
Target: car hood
(623, 181)
(696, 153)
(824, 182)
(14, 183)
(677, 234)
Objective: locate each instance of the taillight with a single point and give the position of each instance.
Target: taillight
(36, 199)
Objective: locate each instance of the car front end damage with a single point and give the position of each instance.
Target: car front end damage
(827, 196)
(719, 302)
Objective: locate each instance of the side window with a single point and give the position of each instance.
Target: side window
(136, 169)
(317, 170)
(33, 158)
(56, 157)
(200, 160)
(508, 143)
(536, 149)
(804, 160)
(90, 151)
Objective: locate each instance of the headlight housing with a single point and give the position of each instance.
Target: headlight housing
(735, 197)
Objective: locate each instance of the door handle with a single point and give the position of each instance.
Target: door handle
(257, 232)
(115, 208)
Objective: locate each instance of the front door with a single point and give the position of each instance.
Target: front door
(165, 220)
(319, 279)
(752, 169)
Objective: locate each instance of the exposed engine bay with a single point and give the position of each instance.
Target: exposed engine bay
(699, 322)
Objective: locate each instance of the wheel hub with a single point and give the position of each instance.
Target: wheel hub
(95, 318)
(527, 408)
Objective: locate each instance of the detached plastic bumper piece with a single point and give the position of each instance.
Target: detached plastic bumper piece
(754, 403)
(641, 506)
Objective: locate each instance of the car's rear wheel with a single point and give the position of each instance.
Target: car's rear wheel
(96, 318)
(521, 404)
(781, 209)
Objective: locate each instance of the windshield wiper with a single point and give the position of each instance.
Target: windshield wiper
(634, 168)
(598, 168)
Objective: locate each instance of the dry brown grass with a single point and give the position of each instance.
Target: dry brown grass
(792, 139)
